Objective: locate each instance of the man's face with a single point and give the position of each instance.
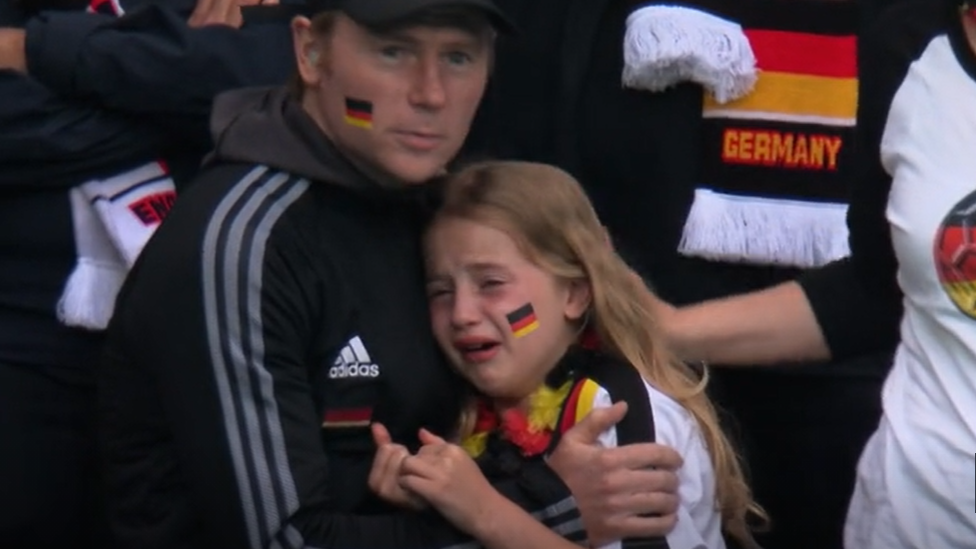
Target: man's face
(401, 103)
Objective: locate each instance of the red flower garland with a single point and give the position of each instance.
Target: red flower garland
(514, 427)
(486, 419)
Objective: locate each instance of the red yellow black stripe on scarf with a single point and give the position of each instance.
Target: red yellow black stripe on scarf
(523, 320)
(804, 78)
(347, 417)
(359, 113)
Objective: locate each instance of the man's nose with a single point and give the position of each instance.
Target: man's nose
(427, 90)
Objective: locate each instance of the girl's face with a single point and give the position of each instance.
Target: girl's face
(502, 320)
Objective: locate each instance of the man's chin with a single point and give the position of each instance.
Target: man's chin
(417, 173)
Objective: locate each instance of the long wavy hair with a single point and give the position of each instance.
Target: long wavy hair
(553, 222)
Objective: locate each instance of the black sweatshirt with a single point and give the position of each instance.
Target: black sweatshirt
(278, 311)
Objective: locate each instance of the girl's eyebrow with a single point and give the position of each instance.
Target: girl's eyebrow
(477, 267)
(482, 266)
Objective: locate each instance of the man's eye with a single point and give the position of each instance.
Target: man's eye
(458, 58)
(393, 52)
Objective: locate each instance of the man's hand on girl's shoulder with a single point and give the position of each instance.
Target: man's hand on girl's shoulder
(625, 492)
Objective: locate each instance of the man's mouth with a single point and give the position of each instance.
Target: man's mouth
(419, 140)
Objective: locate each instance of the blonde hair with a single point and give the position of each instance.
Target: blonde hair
(551, 219)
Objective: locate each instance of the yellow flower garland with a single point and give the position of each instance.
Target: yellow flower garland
(474, 444)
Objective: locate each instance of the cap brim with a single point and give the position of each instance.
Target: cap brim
(370, 14)
(385, 13)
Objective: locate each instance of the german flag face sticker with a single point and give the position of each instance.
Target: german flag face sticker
(523, 320)
(359, 113)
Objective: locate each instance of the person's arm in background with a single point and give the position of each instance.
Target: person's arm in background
(46, 142)
(149, 63)
(849, 307)
(152, 62)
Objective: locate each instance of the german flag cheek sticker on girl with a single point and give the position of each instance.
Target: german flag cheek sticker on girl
(523, 320)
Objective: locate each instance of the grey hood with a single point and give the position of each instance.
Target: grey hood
(267, 126)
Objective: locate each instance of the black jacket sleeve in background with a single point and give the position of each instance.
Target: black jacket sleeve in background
(46, 142)
(150, 63)
(857, 300)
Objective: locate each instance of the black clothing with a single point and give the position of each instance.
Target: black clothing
(150, 64)
(49, 495)
(868, 278)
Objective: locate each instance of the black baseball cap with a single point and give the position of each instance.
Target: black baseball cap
(382, 13)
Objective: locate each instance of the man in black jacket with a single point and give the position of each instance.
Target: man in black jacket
(280, 310)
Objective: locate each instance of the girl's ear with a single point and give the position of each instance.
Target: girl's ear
(578, 300)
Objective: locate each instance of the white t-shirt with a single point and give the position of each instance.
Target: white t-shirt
(699, 521)
(916, 486)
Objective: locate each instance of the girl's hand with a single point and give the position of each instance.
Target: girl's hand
(444, 475)
(384, 478)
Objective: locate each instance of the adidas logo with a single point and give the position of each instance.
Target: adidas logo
(353, 361)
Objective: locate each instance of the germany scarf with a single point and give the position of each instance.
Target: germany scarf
(776, 161)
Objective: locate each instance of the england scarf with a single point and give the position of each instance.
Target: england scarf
(113, 219)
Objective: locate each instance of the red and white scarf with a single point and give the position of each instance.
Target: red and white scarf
(113, 219)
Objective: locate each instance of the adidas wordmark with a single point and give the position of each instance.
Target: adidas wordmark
(353, 361)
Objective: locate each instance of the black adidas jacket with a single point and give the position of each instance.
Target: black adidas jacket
(279, 309)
